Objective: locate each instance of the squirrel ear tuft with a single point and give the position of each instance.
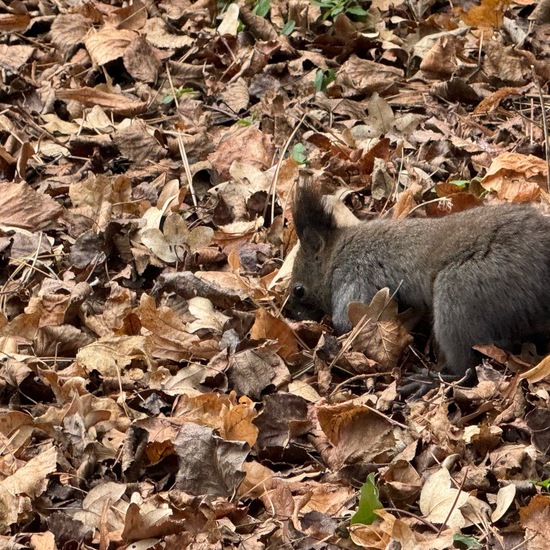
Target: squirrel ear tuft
(313, 217)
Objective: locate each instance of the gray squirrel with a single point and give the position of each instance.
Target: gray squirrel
(482, 276)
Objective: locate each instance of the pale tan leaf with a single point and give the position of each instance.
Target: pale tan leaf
(108, 44)
(230, 21)
(31, 479)
(12, 58)
(439, 502)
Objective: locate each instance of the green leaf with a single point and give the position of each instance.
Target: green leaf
(468, 542)
(329, 76)
(318, 82)
(460, 183)
(262, 7)
(289, 27)
(357, 10)
(368, 503)
(245, 121)
(544, 483)
(299, 153)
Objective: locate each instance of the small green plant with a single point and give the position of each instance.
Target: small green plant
(545, 483)
(464, 541)
(332, 8)
(289, 27)
(368, 503)
(262, 8)
(299, 153)
(247, 121)
(322, 79)
(179, 93)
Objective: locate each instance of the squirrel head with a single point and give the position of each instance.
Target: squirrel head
(315, 224)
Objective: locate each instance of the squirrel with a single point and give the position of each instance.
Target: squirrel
(482, 275)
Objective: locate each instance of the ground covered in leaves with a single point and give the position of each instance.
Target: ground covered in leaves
(153, 396)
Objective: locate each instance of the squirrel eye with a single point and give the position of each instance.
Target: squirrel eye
(299, 290)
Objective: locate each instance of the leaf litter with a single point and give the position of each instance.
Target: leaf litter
(153, 395)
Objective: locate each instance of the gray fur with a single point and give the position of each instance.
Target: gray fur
(483, 275)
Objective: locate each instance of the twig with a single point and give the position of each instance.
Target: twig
(273, 188)
(545, 128)
(181, 144)
(458, 491)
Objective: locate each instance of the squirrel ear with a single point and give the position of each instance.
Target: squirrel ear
(312, 240)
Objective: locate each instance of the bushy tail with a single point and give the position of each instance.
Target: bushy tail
(311, 213)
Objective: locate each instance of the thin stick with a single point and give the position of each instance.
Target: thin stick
(459, 490)
(544, 126)
(181, 144)
(273, 188)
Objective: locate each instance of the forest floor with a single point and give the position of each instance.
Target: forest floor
(153, 395)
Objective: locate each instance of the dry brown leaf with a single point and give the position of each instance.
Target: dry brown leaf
(257, 481)
(442, 58)
(31, 479)
(140, 60)
(492, 102)
(538, 372)
(116, 103)
(108, 43)
(268, 327)
(489, 13)
(348, 425)
(23, 207)
(383, 336)
(14, 22)
(12, 58)
(535, 516)
(158, 35)
(208, 464)
(516, 177)
(69, 30)
(247, 144)
(440, 502)
(43, 541)
(111, 356)
(136, 143)
(367, 77)
(104, 503)
(505, 499)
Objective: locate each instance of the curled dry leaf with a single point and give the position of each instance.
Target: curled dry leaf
(269, 327)
(516, 177)
(383, 335)
(115, 103)
(505, 499)
(112, 355)
(347, 426)
(393, 530)
(104, 503)
(169, 335)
